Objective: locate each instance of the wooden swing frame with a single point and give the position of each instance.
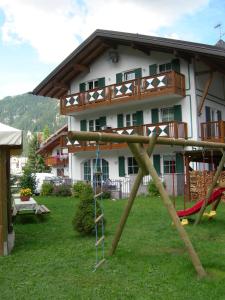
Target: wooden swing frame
(142, 155)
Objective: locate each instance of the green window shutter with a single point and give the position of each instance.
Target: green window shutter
(176, 65)
(155, 115)
(156, 163)
(153, 70)
(179, 163)
(138, 73)
(120, 121)
(121, 166)
(119, 77)
(101, 82)
(102, 121)
(83, 125)
(82, 87)
(177, 113)
(139, 116)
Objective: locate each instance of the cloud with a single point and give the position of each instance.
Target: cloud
(55, 27)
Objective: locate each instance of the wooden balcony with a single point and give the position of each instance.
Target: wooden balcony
(213, 131)
(167, 129)
(163, 84)
(54, 161)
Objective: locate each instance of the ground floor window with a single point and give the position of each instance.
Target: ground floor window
(101, 169)
(132, 165)
(169, 164)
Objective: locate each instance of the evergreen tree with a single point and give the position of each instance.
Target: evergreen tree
(35, 161)
(46, 133)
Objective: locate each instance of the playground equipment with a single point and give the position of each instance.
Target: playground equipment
(142, 155)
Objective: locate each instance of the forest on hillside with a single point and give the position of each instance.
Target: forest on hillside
(31, 113)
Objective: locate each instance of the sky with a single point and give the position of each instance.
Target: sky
(35, 36)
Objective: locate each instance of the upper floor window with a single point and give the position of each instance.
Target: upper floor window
(92, 84)
(165, 67)
(129, 75)
(167, 114)
(131, 119)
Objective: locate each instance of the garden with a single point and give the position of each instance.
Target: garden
(52, 261)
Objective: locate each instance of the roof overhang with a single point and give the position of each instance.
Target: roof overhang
(56, 84)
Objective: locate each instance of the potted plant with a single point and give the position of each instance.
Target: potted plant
(25, 194)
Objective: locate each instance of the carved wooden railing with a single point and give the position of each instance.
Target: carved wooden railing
(171, 129)
(213, 131)
(137, 89)
(52, 161)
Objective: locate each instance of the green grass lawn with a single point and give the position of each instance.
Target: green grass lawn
(51, 261)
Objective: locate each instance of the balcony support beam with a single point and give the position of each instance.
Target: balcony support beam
(205, 93)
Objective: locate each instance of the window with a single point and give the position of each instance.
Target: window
(92, 84)
(131, 119)
(129, 75)
(91, 125)
(169, 164)
(167, 114)
(97, 125)
(165, 67)
(87, 170)
(132, 165)
(128, 120)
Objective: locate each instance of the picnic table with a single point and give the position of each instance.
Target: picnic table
(30, 206)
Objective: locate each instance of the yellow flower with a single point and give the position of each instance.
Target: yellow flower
(26, 192)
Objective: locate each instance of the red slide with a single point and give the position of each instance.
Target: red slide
(196, 208)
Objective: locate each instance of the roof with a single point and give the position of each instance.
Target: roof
(53, 141)
(56, 84)
(10, 136)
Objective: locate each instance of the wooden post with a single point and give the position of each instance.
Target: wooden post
(172, 212)
(205, 92)
(130, 202)
(187, 171)
(3, 203)
(211, 187)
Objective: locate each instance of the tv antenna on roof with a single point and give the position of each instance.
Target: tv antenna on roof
(219, 25)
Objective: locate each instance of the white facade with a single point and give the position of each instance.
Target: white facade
(17, 163)
(130, 59)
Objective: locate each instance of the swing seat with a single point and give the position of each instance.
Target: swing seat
(184, 222)
(210, 215)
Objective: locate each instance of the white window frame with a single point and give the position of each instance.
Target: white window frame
(171, 165)
(162, 110)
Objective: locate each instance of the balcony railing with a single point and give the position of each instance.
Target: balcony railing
(167, 129)
(137, 89)
(54, 161)
(213, 131)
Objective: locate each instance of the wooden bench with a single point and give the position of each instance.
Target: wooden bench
(42, 209)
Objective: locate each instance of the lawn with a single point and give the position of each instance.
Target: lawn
(51, 261)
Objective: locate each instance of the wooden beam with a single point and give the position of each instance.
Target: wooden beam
(81, 67)
(141, 48)
(120, 138)
(3, 203)
(211, 187)
(205, 93)
(130, 202)
(204, 72)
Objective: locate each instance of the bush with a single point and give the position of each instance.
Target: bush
(83, 222)
(106, 194)
(47, 189)
(63, 190)
(152, 190)
(28, 180)
(79, 186)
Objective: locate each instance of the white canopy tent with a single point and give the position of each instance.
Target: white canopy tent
(10, 136)
(10, 143)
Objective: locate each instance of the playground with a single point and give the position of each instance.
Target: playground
(51, 261)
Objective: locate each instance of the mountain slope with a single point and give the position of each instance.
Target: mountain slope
(31, 113)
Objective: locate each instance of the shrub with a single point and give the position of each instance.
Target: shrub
(63, 190)
(106, 194)
(47, 189)
(28, 180)
(83, 221)
(152, 190)
(79, 186)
